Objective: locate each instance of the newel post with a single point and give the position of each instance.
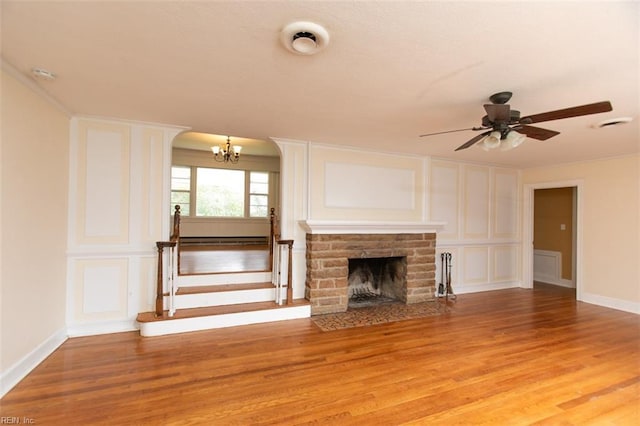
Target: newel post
(159, 282)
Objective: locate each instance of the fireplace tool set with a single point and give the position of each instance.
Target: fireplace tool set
(444, 288)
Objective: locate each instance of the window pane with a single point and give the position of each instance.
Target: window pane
(259, 188)
(180, 178)
(179, 197)
(220, 192)
(258, 194)
(259, 205)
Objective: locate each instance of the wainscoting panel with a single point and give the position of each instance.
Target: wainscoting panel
(505, 263)
(475, 262)
(476, 202)
(384, 188)
(100, 289)
(103, 156)
(118, 209)
(150, 183)
(444, 197)
(547, 268)
(505, 204)
(348, 184)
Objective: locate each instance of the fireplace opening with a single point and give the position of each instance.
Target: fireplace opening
(374, 281)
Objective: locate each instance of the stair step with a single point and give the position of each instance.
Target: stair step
(195, 319)
(222, 287)
(205, 280)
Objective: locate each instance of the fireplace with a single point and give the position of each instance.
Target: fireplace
(330, 249)
(377, 280)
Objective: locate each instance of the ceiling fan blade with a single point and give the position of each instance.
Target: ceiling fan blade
(577, 111)
(472, 141)
(500, 112)
(453, 131)
(536, 132)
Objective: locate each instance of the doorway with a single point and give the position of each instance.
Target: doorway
(554, 236)
(575, 188)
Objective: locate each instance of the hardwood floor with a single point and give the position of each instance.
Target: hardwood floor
(506, 357)
(222, 259)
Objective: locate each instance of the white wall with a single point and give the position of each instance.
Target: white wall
(609, 220)
(118, 209)
(481, 205)
(34, 167)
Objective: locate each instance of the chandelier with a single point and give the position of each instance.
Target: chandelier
(226, 154)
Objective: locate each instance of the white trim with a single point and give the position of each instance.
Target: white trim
(362, 227)
(477, 288)
(104, 327)
(183, 325)
(610, 302)
(527, 230)
(18, 371)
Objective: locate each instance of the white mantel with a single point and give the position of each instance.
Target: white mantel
(369, 227)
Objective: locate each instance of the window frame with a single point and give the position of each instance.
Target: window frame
(247, 193)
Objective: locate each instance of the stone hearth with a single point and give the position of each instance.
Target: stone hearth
(328, 257)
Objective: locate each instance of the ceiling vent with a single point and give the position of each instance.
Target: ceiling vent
(304, 38)
(612, 122)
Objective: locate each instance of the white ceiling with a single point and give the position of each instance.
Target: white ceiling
(392, 70)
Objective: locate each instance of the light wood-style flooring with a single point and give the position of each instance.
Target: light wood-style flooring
(508, 357)
(207, 259)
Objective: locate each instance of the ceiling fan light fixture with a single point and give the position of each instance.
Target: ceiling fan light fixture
(491, 141)
(512, 140)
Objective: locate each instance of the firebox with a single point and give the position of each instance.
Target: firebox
(378, 280)
(411, 255)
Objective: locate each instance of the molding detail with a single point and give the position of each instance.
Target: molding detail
(360, 227)
(20, 369)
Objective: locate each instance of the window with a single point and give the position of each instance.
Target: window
(258, 194)
(181, 189)
(220, 192)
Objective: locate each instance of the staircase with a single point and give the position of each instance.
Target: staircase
(217, 300)
(211, 301)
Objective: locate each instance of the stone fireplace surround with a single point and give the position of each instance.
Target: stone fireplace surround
(330, 245)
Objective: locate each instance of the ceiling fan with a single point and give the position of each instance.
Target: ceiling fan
(505, 129)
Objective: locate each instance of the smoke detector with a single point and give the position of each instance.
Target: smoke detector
(304, 38)
(43, 74)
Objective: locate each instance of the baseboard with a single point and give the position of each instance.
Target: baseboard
(106, 327)
(562, 282)
(477, 288)
(20, 369)
(610, 302)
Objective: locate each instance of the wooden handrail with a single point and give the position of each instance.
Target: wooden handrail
(274, 233)
(176, 224)
(160, 245)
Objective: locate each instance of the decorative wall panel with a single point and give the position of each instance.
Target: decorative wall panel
(505, 263)
(476, 202)
(475, 261)
(101, 289)
(358, 185)
(444, 196)
(151, 167)
(102, 183)
(505, 204)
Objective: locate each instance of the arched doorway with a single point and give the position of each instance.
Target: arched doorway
(224, 205)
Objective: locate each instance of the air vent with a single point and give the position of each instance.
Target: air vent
(304, 38)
